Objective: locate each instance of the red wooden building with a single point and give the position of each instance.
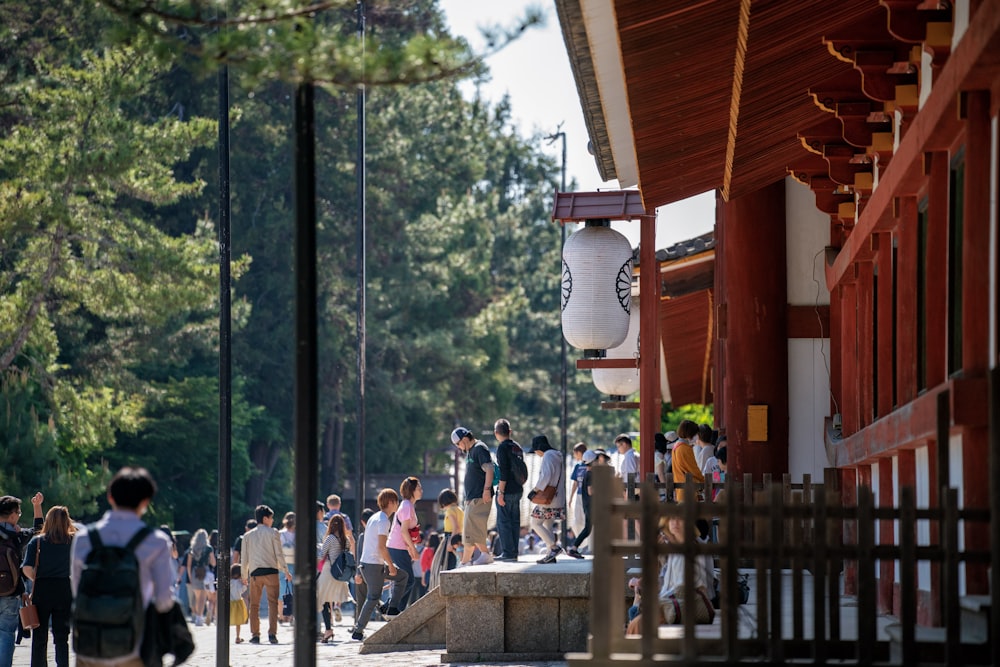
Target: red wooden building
(853, 147)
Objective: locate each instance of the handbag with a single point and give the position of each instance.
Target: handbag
(415, 536)
(545, 496)
(29, 612)
(287, 600)
(344, 567)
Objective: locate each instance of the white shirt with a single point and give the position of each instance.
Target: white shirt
(628, 464)
(377, 525)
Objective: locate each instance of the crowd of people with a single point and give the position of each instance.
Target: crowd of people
(398, 558)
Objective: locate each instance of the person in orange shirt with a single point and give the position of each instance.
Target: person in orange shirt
(684, 461)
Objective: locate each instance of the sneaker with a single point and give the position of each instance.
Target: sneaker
(484, 559)
(382, 607)
(574, 553)
(506, 559)
(337, 615)
(255, 639)
(391, 612)
(273, 639)
(357, 635)
(198, 622)
(550, 557)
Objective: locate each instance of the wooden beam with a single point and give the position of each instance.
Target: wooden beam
(913, 424)
(808, 321)
(590, 364)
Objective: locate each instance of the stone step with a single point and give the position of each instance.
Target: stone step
(976, 614)
(975, 647)
(421, 626)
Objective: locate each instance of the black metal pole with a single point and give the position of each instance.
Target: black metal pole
(306, 429)
(225, 377)
(362, 303)
(563, 413)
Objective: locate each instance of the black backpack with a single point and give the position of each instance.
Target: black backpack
(10, 564)
(517, 466)
(108, 613)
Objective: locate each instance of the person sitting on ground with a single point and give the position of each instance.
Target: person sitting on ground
(673, 606)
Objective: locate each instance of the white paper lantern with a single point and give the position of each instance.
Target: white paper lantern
(621, 381)
(596, 288)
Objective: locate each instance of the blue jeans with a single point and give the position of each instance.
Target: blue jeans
(8, 628)
(403, 562)
(509, 524)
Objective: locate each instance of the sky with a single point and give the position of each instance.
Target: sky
(535, 72)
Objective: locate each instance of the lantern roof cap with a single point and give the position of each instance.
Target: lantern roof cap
(602, 205)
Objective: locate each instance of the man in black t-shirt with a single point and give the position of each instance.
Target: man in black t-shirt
(478, 491)
(509, 491)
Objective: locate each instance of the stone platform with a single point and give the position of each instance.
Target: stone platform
(513, 612)
(499, 613)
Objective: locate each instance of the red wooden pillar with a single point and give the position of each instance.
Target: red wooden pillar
(756, 345)
(650, 404)
(849, 356)
(866, 339)
(836, 336)
(936, 269)
(975, 325)
(886, 535)
(906, 300)
(885, 318)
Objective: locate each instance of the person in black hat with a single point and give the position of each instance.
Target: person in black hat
(550, 489)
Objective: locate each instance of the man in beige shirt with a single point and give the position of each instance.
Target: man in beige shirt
(262, 559)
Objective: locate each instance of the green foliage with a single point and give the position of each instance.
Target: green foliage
(696, 412)
(31, 458)
(108, 266)
(97, 298)
(304, 41)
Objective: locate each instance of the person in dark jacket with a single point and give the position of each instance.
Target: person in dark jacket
(46, 563)
(10, 514)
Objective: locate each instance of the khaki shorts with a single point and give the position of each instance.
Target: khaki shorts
(477, 513)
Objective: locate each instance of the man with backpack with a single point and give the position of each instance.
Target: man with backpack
(513, 475)
(12, 541)
(120, 566)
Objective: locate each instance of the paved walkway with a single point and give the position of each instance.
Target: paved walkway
(342, 651)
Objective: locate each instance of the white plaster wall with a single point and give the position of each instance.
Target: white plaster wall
(807, 233)
(957, 481)
(960, 22)
(923, 497)
(895, 503)
(808, 406)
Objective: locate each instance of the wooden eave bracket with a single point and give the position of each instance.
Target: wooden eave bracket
(908, 22)
(934, 125)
